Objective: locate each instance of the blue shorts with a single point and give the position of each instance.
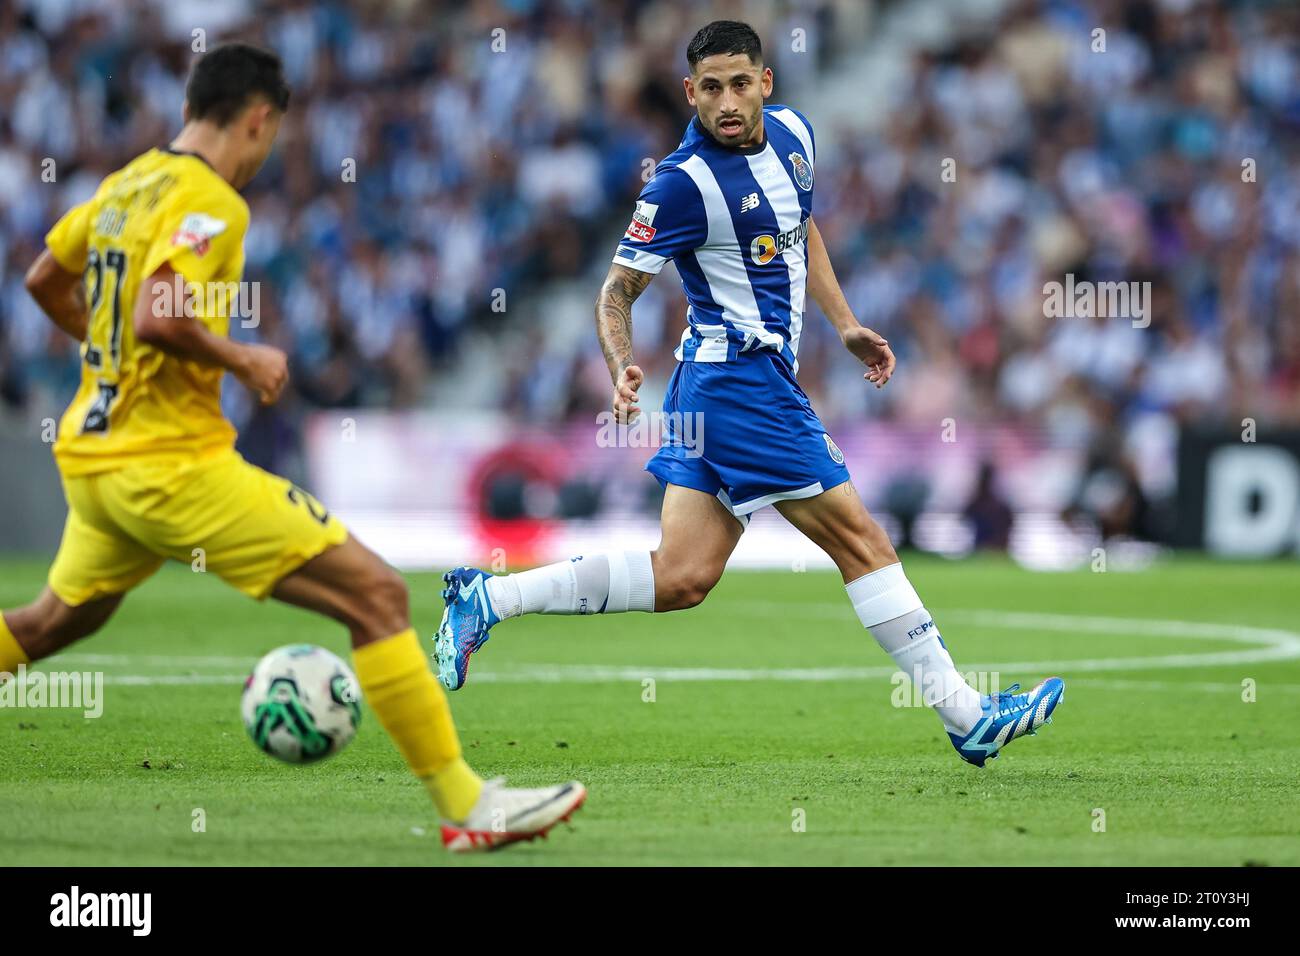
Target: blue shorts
(744, 431)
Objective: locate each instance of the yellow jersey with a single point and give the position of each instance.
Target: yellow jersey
(135, 402)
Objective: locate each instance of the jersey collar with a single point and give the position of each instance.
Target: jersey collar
(186, 152)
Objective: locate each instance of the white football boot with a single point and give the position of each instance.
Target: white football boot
(505, 815)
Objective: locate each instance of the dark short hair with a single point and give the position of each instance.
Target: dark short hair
(227, 79)
(726, 37)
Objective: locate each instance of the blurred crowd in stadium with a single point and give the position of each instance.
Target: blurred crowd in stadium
(1162, 150)
(424, 162)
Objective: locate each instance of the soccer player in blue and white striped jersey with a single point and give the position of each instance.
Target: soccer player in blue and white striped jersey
(732, 208)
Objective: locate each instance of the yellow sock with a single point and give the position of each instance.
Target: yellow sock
(396, 680)
(11, 654)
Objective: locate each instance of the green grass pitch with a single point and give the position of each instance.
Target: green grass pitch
(740, 758)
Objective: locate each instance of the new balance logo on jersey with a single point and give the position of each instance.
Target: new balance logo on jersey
(749, 202)
(766, 248)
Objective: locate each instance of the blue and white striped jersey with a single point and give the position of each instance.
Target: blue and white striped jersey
(735, 223)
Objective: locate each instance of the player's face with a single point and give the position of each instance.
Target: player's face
(727, 91)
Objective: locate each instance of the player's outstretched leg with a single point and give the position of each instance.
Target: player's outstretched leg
(699, 535)
(888, 606)
(353, 585)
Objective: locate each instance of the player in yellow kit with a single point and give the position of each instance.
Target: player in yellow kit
(144, 275)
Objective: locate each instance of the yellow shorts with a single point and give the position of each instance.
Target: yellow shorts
(218, 514)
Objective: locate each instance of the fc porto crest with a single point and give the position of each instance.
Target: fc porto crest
(833, 450)
(802, 171)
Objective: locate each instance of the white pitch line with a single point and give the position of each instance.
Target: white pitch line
(159, 660)
(560, 674)
(168, 680)
(1179, 685)
(1277, 645)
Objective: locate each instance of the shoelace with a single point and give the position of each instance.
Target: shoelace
(1009, 702)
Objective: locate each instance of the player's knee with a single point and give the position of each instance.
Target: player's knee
(880, 548)
(29, 626)
(392, 596)
(686, 587)
(694, 592)
(864, 541)
(72, 629)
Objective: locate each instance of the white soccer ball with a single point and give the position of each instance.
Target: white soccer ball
(301, 703)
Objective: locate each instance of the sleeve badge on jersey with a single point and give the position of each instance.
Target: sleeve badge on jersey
(197, 230)
(642, 227)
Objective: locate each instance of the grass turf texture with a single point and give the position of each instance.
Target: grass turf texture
(711, 771)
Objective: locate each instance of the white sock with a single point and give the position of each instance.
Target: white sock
(588, 584)
(889, 607)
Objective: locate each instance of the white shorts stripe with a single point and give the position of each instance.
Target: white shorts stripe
(749, 507)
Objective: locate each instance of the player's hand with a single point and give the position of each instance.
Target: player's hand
(625, 395)
(265, 371)
(873, 352)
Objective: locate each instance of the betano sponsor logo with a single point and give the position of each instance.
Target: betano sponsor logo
(765, 248)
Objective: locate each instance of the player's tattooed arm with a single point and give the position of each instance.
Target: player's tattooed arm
(59, 293)
(614, 315)
(869, 348)
(614, 328)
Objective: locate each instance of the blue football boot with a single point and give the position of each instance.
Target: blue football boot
(465, 624)
(1006, 716)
